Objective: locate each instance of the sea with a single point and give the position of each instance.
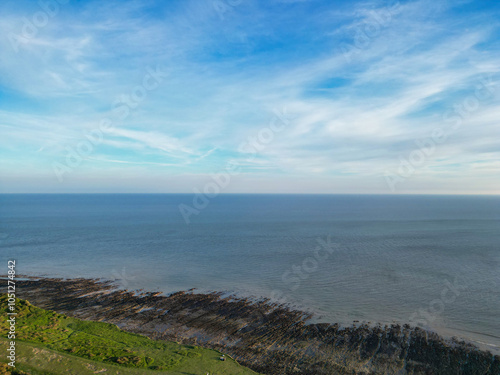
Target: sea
(427, 260)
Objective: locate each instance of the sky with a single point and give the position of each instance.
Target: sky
(246, 96)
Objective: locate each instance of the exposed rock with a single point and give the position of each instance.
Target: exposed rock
(266, 337)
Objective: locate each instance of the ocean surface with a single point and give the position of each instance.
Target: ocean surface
(427, 260)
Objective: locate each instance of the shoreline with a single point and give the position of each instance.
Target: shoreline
(262, 335)
(479, 339)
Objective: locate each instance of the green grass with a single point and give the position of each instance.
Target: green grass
(52, 343)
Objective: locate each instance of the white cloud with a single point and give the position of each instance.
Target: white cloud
(224, 85)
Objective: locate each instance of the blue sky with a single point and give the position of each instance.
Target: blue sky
(299, 96)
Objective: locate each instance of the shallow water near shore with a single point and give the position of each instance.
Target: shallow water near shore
(432, 260)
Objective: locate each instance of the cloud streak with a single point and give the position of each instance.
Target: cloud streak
(352, 118)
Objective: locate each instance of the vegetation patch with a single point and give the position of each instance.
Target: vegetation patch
(107, 344)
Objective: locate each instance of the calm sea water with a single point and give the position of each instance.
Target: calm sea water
(432, 260)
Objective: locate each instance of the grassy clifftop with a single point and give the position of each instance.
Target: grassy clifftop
(52, 343)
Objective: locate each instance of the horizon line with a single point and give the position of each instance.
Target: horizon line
(191, 193)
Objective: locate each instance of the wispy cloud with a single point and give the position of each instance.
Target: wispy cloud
(353, 118)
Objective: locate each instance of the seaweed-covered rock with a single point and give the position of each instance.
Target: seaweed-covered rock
(266, 337)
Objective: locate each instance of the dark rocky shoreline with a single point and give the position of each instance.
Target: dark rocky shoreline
(266, 337)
